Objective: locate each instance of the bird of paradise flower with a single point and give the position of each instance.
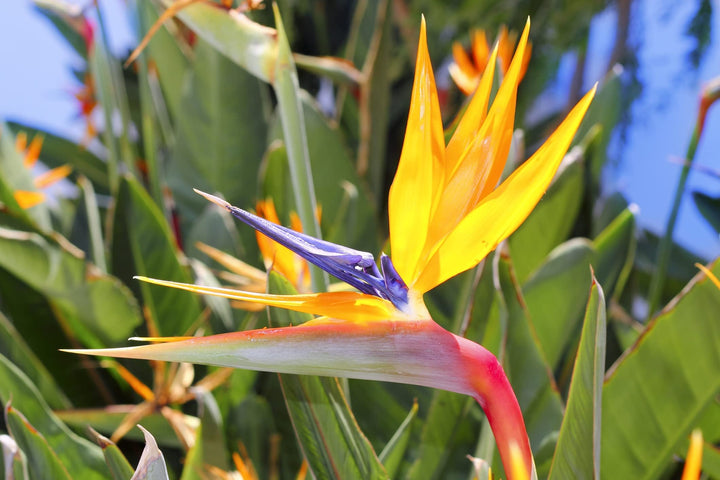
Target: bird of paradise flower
(466, 70)
(446, 214)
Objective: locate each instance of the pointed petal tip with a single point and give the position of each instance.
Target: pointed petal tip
(212, 198)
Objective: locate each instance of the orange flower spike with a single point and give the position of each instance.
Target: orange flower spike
(279, 257)
(26, 199)
(53, 176)
(33, 151)
(480, 50)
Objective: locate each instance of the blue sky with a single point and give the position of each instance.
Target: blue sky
(37, 88)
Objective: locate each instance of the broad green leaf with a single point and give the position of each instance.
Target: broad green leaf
(347, 213)
(140, 224)
(556, 296)
(100, 310)
(326, 429)
(106, 420)
(250, 45)
(546, 228)
(371, 37)
(42, 461)
(220, 134)
(152, 463)
(165, 52)
(655, 394)
(81, 458)
(711, 460)
(45, 335)
(524, 362)
(15, 349)
(578, 448)
(118, 465)
(393, 453)
(57, 151)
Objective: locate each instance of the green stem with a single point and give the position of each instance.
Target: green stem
(666, 244)
(286, 86)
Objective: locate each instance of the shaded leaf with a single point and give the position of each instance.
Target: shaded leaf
(14, 348)
(141, 225)
(42, 461)
(347, 213)
(79, 457)
(100, 310)
(393, 453)
(556, 297)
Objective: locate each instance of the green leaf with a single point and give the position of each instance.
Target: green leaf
(615, 253)
(524, 363)
(152, 463)
(42, 461)
(447, 415)
(655, 394)
(545, 229)
(141, 225)
(372, 41)
(165, 52)
(251, 422)
(250, 45)
(220, 134)
(99, 309)
(555, 297)
(326, 429)
(347, 213)
(393, 453)
(120, 468)
(81, 458)
(578, 448)
(15, 349)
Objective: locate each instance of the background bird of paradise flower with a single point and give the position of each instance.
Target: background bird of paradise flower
(188, 116)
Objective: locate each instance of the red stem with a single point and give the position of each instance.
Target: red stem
(493, 392)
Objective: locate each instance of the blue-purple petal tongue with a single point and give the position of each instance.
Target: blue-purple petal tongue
(353, 267)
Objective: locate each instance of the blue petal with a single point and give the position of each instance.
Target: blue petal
(353, 267)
